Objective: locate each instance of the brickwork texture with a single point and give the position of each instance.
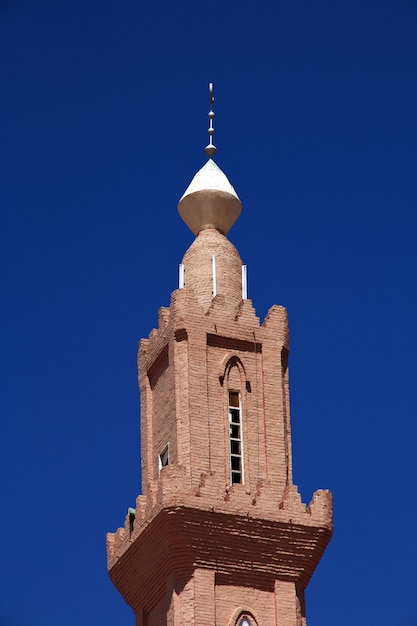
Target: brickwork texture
(203, 551)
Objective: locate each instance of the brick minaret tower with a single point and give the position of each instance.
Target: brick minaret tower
(220, 536)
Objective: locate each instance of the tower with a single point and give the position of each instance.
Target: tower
(219, 536)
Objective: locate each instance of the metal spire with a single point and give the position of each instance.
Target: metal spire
(211, 149)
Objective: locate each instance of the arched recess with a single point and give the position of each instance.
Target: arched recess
(243, 618)
(233, 375)
(227, 363)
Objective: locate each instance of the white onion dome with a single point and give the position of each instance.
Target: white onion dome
(210, 201)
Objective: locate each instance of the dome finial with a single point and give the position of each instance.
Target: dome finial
(211, 149)
(210, 200)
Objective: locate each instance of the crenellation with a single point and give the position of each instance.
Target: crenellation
(246, 315)
(276, 321)
(140, 509)
(143, 347)
(163, 318)
(321, 507)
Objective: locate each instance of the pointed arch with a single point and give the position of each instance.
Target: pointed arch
(243, 617)
(229, 361)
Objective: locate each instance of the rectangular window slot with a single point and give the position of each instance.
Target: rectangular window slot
(181, 276)
(164, 457)
(213, 262)
(235, 436)
(244, 283)
(132, 515)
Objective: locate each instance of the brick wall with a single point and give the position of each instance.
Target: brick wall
(203, 550)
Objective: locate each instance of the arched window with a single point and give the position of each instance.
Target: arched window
(236, 443)
(232, 373)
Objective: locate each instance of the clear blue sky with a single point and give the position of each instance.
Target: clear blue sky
(103, 122)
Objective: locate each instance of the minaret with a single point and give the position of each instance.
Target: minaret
(219, 536)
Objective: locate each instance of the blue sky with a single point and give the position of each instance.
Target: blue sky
(103, 123)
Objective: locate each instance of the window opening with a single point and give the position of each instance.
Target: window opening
(213, 262)
(181, 276)
(164, 457)
(245, 621)
(235, 430)
(132, 515)
(244, 282)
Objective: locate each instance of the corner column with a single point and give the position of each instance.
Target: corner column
(204, 597)
(287, 605)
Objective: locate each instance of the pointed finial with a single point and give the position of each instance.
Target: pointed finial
(211, 149)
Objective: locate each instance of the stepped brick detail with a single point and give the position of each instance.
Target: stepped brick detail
(194, 533)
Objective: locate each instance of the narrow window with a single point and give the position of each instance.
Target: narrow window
(235, 429)
(164, 457)
(132, 514)
(181, 276)
(244, 283)
(213, 263)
